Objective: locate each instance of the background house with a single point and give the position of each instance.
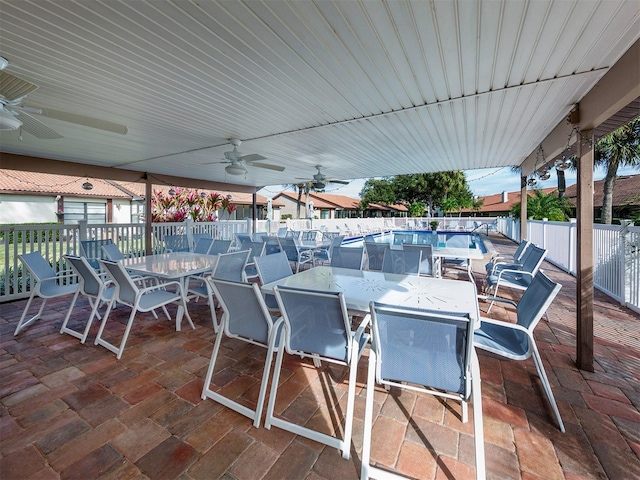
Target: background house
(626, 197)
(28, 197)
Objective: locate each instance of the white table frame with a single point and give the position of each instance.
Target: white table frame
(173, 266)
(361, 287)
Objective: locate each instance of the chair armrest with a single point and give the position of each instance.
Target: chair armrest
(159, 286)
(513, 326)
(508, 270)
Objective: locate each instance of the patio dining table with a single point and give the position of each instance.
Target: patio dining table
(173, 266)
(459, 253)
(361, 287)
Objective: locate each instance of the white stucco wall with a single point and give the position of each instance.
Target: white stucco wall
(27, 209)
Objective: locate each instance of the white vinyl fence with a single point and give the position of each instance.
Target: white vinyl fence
(616, 254)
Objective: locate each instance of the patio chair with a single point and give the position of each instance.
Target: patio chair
(47, 285)
(144, 299)
(297, 255)
(498, 262)
(322, 255)
(176, 243)
(516, 340)
(241, 238)
(428, 265)
(516, 278)
(196, 237)
(347, 257)
(95, 287)
(230, 266)
(92, 250)
(403, 262)
(375, 255)
(424, 351)
(219, 246)
(245, 318)
(112, 252)
(457, 241)
(400, 238)
(256, 249)
(282, 232)
(203, 245)
(316, 325)
(271, 268)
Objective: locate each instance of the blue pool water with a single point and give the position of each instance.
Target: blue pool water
(423, 237)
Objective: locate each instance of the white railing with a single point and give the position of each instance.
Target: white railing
(616, 254)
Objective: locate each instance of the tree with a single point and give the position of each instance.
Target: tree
(426, 188)
(541, 205)
(619, 148)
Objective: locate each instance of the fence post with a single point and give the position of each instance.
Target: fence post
(572, 246)
(622, 237)
(82, 230)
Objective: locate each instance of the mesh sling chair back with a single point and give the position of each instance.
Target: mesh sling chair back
(403, 262)
(316, 325)
(92, 250)
(196, 237)
(256, 249)
(507, 261)
(515, 340)
(323, 254)
(176, 243)
(203, 245)
(427, 264)
(93, 286)
(425, 351)
(245, 318)
(112, 252)
(47, 285)
(295, 254)
(348, 257)
(518, 278)
(144, 299)
(219, 246)
(271, 268)
(375, 255)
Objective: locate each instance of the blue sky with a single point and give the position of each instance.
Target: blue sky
(482, 182)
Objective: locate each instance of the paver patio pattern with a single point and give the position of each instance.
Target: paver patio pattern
(73, 411)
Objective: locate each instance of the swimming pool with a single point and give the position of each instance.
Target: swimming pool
(423, 237)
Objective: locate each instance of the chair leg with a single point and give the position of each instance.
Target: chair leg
(478, 428)
(368, 417)
(212, 363)
(274, 383)
(22, 323)
(351, 398)
(134, 310)
(273, 344)
(94, 313)
(64, 328)
(545, 383)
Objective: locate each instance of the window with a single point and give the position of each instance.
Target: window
(91, 212)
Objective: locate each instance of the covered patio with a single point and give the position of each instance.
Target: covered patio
(74, 411)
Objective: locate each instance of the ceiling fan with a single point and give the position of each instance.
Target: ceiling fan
(238, 162)
(320, 180)
(14, 114)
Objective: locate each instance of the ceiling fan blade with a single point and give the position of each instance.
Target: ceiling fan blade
(86, 121)
(36, 128)
(342, 182)
(277, 168)
(253, 157)
(13, 88)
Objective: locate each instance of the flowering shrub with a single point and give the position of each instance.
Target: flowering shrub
(187, 203)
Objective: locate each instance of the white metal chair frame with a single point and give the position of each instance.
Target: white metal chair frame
(94, 286)
(533, 304)
(470, 379)
(139, 299)
(355, 343)
(46, 285)
(227, 326)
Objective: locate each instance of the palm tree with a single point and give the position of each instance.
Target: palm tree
(619, 148)
(542, 205)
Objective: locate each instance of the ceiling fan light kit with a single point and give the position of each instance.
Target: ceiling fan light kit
(235, 169)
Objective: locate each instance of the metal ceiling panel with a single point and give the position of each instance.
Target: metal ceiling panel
(362, 88)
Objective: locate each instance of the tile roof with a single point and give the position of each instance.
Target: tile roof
(12, 181)
(494, 203)
(626, 191)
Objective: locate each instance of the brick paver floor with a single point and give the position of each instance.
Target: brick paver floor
(73, 411)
